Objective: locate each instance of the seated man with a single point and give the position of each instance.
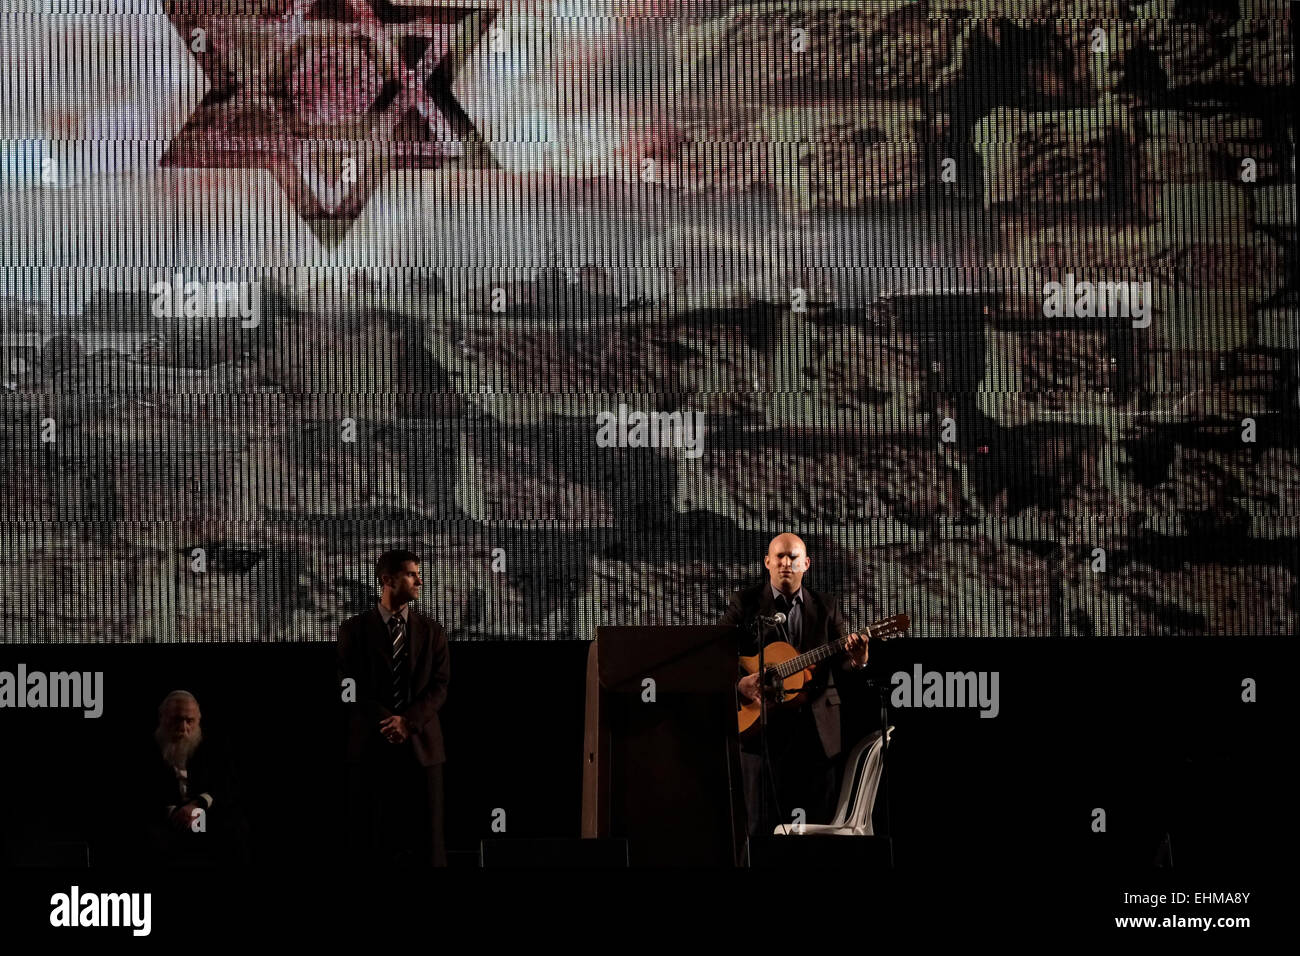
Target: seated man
(191, 814)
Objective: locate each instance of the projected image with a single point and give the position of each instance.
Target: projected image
(994, 304)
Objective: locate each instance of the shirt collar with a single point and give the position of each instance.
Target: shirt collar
(405, 614)
(796, 598)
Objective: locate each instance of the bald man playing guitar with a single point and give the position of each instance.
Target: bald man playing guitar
(804, 736)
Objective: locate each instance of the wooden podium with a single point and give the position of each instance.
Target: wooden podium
(661, 757)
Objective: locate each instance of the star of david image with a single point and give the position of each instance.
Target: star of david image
(329, 96)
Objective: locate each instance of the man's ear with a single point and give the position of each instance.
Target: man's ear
(807, 562)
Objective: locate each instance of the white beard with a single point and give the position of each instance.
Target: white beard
(177, 753)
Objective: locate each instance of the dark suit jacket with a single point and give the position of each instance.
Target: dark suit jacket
(154, 788)
(365, 653)
(821, 622)
(208, 770)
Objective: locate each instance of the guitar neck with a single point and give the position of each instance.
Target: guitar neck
(818, 654)
(882, 630)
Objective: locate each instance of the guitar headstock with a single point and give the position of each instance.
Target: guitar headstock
(889, 627)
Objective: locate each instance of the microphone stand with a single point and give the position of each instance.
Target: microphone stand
(766, 775)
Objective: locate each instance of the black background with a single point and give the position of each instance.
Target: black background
(1153, 731)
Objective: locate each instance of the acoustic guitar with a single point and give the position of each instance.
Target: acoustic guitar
(793, 670)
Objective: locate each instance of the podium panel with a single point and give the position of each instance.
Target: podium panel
(661, 761)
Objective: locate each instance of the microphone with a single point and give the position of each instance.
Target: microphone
(777, 618)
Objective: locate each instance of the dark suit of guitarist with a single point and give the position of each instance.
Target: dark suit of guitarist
(805, 740)
(395, 755)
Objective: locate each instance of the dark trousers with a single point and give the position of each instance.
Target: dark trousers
(395, 809)
(224, 842)
(804, 778)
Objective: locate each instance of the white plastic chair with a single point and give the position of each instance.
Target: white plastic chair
(862, 772)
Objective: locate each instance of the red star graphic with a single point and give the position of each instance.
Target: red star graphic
(328, 95)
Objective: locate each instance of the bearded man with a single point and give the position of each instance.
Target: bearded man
(193, 813)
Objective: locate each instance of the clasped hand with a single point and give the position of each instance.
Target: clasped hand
(394, 729)
(183, 816)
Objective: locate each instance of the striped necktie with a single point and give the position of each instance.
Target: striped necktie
(398, 633)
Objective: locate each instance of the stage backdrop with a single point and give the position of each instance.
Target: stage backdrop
(584, 300)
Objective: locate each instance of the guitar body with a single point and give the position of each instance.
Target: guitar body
(795, 670)
(775, 653)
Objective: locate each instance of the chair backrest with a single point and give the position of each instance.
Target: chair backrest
(862, 772)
